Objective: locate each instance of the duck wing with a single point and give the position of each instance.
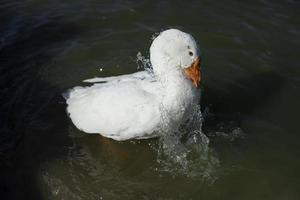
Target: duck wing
(122, 107)
(127, 77)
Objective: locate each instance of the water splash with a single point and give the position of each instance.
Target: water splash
(143, 62)
(186, 151)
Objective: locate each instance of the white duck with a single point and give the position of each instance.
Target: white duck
(139, 105)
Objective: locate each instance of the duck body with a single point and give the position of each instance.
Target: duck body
(134, 106)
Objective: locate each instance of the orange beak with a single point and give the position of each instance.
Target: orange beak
(193, 72)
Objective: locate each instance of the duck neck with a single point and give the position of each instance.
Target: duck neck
(179, 94)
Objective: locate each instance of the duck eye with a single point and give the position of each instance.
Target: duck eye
(191, 53)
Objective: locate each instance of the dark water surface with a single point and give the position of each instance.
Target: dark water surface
(250, 100)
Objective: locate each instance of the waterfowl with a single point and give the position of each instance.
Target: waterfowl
(142, 104)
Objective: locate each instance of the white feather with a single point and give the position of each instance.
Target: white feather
(139, 105)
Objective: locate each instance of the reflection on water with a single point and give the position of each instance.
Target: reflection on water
(184, 153)
(245, 146)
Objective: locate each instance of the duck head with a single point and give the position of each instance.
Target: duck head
(176, 51)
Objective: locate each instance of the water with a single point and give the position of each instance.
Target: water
(246, 148)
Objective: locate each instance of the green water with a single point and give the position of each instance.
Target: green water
(250, 100)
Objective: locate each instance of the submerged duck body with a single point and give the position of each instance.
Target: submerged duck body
(140, 105)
